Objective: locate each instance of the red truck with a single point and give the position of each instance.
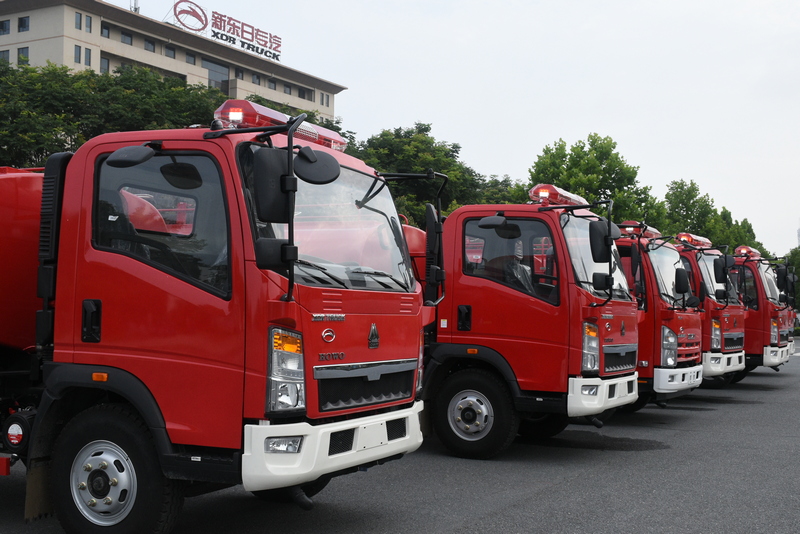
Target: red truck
(722, 314)
(534, 320)
(198, 308)
(670, 332)
(768, 321)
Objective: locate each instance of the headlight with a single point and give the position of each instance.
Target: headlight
(716, 335)
(669, 348)
(286, 384)
(773, 332)
(591, 349)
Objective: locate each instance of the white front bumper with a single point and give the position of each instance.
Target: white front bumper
(719, 363)
(679, 379)
(774, 356)
(610, 393)
(370, 442)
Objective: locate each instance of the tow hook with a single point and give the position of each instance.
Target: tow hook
(661, 404)
(776, 368)
(300, 498)
(595, 421)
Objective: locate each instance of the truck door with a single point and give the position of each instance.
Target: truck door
(508, 294)
(159, 288)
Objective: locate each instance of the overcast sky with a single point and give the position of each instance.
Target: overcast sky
(689, 89)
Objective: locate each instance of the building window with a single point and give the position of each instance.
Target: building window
(5, 27)
(77, 54)
(218, 75)
(287, 88)
(87, 57)
(169, 51)
(105, 31)
(88, 25)
(190, 59)
(22, 56)
(322, 99)
(5, 55)
(24, 24)
(78, 19)
(272, 84)
(256, 79)
(149, 45)
(327, 101)
(301, 93)
(127, 38)
(239, 74)
(104, 66)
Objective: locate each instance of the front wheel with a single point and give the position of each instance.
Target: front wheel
(474, 415)
(107, 476)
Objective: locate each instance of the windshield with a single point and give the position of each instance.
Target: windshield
(665, 260)
(347, 233)
(576, 232)
(770, 284)
(706, 262)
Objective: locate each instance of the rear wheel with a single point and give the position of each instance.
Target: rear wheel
(107, 476)
(635, 406)
(738, 376)
(474, 414)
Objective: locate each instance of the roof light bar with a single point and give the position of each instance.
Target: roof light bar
(637, 229)
(695, 240)
(548, 194)
(744, 250)
(246, 114)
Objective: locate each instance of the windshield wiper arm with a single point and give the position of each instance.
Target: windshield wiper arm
(380, 273)
(304, 263)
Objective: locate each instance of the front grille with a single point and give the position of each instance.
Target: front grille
(734, 341)
(396, 429)
(618, 358)
(349, 386)
(341, 441)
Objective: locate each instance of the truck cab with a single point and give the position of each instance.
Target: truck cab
(767, 327)
(211, 307)
(669, 363)
(534, 321)
(722, 313)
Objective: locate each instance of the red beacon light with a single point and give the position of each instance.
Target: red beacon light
(246, 114)
(635, 228)
(694, 240)
(750, 252)
(548, 194)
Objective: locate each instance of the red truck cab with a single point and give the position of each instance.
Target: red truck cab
(670, 332)
(722, 313)
(222, 306)
(534, 323)
(767, 324)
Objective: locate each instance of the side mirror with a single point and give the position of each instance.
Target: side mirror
(270, 170)
(681, 280)
(780, 275)
(602, 281)
(720, 267)
(720, 294)
(274, 254)
(692, 302)
(599, 241)
(316, 167)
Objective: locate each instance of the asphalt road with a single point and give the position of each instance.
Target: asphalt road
(713, 461)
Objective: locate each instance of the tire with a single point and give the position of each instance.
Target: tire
(635, 406)
(107, 453)
(543, 427)
(284, 495)
(738, 376)
(717, 382)
(474, 415)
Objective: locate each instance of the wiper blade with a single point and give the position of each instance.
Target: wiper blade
(304, 263)
(381, 274)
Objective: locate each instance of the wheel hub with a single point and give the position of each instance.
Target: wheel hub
(470, 415)
(103, 483)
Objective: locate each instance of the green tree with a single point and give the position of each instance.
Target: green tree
(594, 170)
(51, 109)
(688, 210)
(414, 150)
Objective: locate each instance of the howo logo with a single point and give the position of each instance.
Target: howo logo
(190, 15)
